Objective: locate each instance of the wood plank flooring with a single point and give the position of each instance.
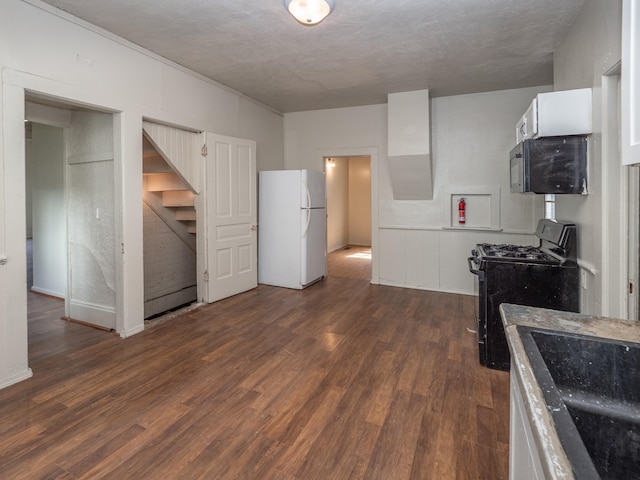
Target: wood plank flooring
(352, 261)
(341, 380)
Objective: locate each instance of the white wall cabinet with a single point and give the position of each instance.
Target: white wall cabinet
(552, 114)
(524, 458)
(630, 82)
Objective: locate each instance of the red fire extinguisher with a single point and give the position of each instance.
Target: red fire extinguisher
(461, 215)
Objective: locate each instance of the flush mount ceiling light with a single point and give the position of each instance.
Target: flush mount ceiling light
(309, 12)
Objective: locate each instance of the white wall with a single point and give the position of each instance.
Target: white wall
(471, 138)
(48, 52)
(360, 201)
(590, 49)
(337, 204)
(49, 221)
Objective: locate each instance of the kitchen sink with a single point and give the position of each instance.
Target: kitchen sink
(592, 389)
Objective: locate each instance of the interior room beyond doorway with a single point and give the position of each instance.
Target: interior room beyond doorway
(348, 210)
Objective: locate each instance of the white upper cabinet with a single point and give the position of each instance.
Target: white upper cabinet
(553, 114)
(630, 82)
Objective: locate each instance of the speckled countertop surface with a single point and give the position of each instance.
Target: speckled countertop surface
(554, 460)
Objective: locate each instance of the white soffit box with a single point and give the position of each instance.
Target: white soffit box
(409, 145)
(411, 177)
(408, 126)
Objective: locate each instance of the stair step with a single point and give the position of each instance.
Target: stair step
(191, 227)
(185, 214)
(160, 182)
(178, 198)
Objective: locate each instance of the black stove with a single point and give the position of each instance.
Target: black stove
(545, 276)
(509, 253)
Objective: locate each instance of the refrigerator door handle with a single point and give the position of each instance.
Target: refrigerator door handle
(306, 228)
(306, 189)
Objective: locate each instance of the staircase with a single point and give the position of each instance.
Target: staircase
(169, 235)
(168, 194)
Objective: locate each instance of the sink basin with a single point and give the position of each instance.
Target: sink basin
(592, 389)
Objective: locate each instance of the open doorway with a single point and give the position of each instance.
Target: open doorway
(169, 228)
(70, 221)
(45, 236)
(45, 209)
(619, 232)
(349, 216)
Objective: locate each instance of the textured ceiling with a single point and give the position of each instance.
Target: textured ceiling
(362, 51)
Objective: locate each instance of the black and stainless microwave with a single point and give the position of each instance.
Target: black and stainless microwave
(550, 165)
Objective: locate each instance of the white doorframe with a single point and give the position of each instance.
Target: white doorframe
(615, 206)
(371, 152)
(632, 252)
(14, 365)
(202, 225)
(621, 212)
(13, 295)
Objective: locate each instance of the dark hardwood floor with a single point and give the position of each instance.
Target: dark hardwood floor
(341, 380)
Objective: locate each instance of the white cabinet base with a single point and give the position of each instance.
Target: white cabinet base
(524, 458)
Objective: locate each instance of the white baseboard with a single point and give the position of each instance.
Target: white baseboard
(99, 315)
(15, 378)
(132, 331)
(50, 293)
(430, 289)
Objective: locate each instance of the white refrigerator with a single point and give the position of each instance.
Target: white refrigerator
(292, 228)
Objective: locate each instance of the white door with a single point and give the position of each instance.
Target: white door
(231, 213)
(91, 220)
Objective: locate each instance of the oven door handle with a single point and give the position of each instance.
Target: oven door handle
(471, 269)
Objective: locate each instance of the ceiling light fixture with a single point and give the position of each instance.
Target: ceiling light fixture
(309, 12)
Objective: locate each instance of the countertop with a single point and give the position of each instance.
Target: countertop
(553, 457)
